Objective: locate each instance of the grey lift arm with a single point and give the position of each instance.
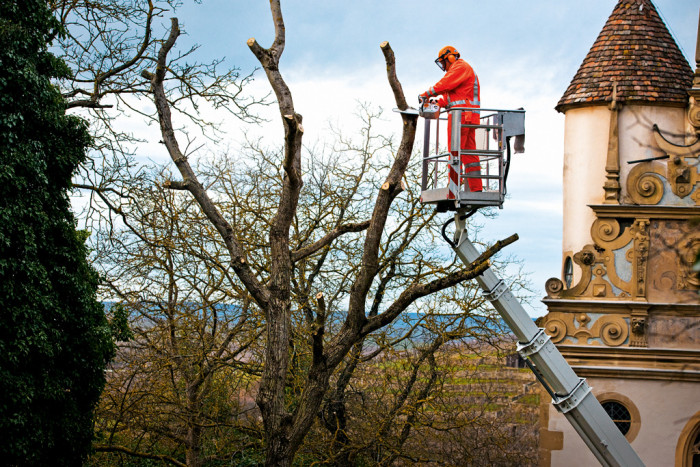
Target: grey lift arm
(571, 395)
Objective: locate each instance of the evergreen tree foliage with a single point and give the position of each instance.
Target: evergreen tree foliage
(54, 337)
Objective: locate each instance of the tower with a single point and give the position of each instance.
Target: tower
(626, 311)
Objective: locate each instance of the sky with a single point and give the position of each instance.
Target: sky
(525, 53)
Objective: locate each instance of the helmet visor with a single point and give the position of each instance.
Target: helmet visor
(440, 62)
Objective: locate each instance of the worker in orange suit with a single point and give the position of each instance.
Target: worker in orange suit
(459, 88)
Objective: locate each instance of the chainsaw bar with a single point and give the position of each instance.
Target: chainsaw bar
(409, 111)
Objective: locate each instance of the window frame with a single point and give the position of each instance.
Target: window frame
(686, 441)
(626, 402)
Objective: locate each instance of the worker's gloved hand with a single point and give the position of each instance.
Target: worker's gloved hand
(423, 96)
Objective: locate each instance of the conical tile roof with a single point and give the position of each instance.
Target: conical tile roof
(636, 51)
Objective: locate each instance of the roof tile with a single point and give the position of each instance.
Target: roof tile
(636, 51)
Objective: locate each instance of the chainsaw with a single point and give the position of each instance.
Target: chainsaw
(428, 107)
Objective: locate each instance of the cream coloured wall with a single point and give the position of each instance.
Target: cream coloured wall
(586, 137)
(585, 150)
(664, 409)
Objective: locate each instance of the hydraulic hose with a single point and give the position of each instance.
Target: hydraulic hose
(452, 219)
(507, 169)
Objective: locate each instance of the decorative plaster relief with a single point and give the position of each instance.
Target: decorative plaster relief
(610, 330)
(687, 252)
(694, 112)
(645, 182)
(638, 325)
(599, 278)
(640, 254)
(612, 164)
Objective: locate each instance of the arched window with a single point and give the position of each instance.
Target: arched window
(694, 451)
(619, 414)
(623, 413)
(688, 448)
(568, 272)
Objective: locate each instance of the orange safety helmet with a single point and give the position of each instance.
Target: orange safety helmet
(446, 54)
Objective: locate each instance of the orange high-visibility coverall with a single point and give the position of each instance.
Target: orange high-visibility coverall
(460, 88)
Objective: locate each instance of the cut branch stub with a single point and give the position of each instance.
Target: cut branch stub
(260, 53)
(294, 123)
(176, 185)
(321, 315)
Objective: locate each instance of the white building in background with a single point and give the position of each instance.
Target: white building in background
(626, 311)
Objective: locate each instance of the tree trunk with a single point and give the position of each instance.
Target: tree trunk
(193, 451)
(270, 398)
(193, 437)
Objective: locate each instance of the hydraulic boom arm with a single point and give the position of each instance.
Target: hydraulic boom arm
(571, 395)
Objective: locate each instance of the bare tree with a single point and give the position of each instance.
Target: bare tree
(286, 426)
(178, 383)
(106, 44)
(449, 404)
(182, 385)
(325, 254)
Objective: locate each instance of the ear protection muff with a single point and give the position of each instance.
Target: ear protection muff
(446, 54)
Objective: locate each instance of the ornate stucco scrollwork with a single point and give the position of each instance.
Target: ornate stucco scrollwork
(556, 328)
(585, 259)
(687, 252)
(669, 147)
(606, 234)
(599, 286)
(680, 176)
(694, 114)
(666, 281)
(644, 183)
(611, 330)
(614, 267)
(583, 319)
(673, 248)
(605, 230)
(554, 287)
